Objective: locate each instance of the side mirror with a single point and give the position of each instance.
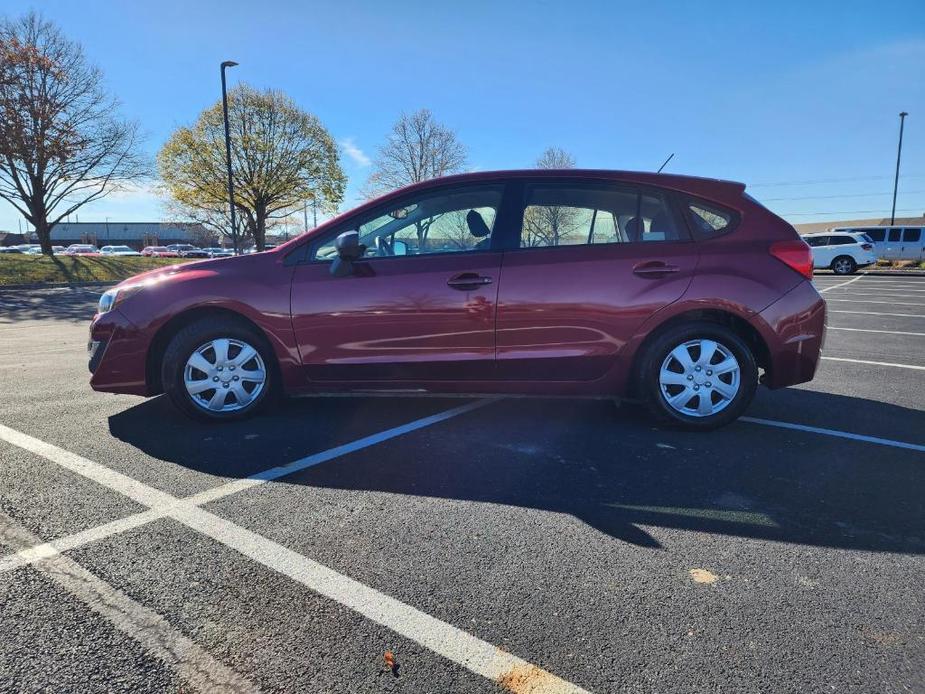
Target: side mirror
(349, 249)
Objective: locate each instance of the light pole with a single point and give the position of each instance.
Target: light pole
(899, 152)
(234, 227)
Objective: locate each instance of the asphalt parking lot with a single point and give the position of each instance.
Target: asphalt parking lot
(492, 545)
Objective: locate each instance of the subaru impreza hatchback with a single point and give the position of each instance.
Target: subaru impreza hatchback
(679, 292)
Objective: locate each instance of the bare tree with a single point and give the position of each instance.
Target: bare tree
(418, 148)
(281, 156)
(550, 225)
(61, 146)
(555, 158)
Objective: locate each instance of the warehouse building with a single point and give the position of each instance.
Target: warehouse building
(134, 234)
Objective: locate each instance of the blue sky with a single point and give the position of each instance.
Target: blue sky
(766, 93)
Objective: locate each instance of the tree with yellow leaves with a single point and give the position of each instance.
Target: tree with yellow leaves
(280, 156)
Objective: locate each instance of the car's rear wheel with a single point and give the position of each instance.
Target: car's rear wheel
(218, 369)
(844, 265)
(698, 376)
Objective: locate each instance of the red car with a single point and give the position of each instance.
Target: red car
(159, 252)
(81, 249)
(683, 293)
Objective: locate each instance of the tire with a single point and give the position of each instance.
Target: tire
(194, 357)
(844, 265)
(687, 386)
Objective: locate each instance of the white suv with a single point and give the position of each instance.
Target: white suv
(843, 252)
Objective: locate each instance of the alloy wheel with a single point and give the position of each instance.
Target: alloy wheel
(224, 375)
(699, 378)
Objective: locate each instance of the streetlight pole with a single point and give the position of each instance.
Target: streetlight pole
(234, 226)
(899, 152)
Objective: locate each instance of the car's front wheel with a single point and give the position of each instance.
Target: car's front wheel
(698, 376)
(218, 369)
(844, 265)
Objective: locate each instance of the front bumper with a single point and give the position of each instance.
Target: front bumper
(118, 353)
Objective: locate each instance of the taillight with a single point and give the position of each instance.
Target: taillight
(867, 246)
(795, 254)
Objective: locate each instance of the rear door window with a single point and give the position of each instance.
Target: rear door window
(817, 241)
(894, 234)
(912, 235)
(578, 214)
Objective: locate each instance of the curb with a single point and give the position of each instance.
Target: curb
(58, 285)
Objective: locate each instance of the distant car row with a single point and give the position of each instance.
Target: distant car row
(176, 250)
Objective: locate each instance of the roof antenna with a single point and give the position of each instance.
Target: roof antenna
(665, 163)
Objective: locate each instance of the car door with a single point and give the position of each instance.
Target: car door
(593, 261)
(912, 244)
(821, 254)
(892, 250)
(418, 306)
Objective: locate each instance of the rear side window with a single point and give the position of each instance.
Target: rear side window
(876, 234)
(912, 235)
(709, 219)
(894, 234)
(842, 240)
(578, 215)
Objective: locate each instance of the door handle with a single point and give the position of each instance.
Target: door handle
(468, 280)
(654, 269)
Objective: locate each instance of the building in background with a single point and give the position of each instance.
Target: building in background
(134, 234)
(816, 227)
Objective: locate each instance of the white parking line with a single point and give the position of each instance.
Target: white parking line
(835, 432)
(886, 293)
(193, 664)
(440, 637)
(876, 363)
(843, 284)
(874, 313)
(868, 301)
(868, 330)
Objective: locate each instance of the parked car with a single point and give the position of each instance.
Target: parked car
(159, 252)
(81, 249)
(219, 252)
(253, 249)
(682, 293)
(893, 243)
(843, 253)
(186, 250)
(118, 250)
(10, 250)
(30, 248)
(58, 250)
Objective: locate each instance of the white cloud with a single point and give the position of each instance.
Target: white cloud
(357, 155)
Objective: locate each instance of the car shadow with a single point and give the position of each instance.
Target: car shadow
(611, 469)
(74, 304)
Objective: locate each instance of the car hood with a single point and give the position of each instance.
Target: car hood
(209, 266)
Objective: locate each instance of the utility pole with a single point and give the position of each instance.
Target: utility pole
(234, 226)
(899, 153)
(305, 215)
(314, 212)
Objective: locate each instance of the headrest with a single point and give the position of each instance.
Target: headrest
(477, 226)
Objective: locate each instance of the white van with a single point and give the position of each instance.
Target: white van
(894, 243)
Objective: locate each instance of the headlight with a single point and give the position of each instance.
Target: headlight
(113, 297)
